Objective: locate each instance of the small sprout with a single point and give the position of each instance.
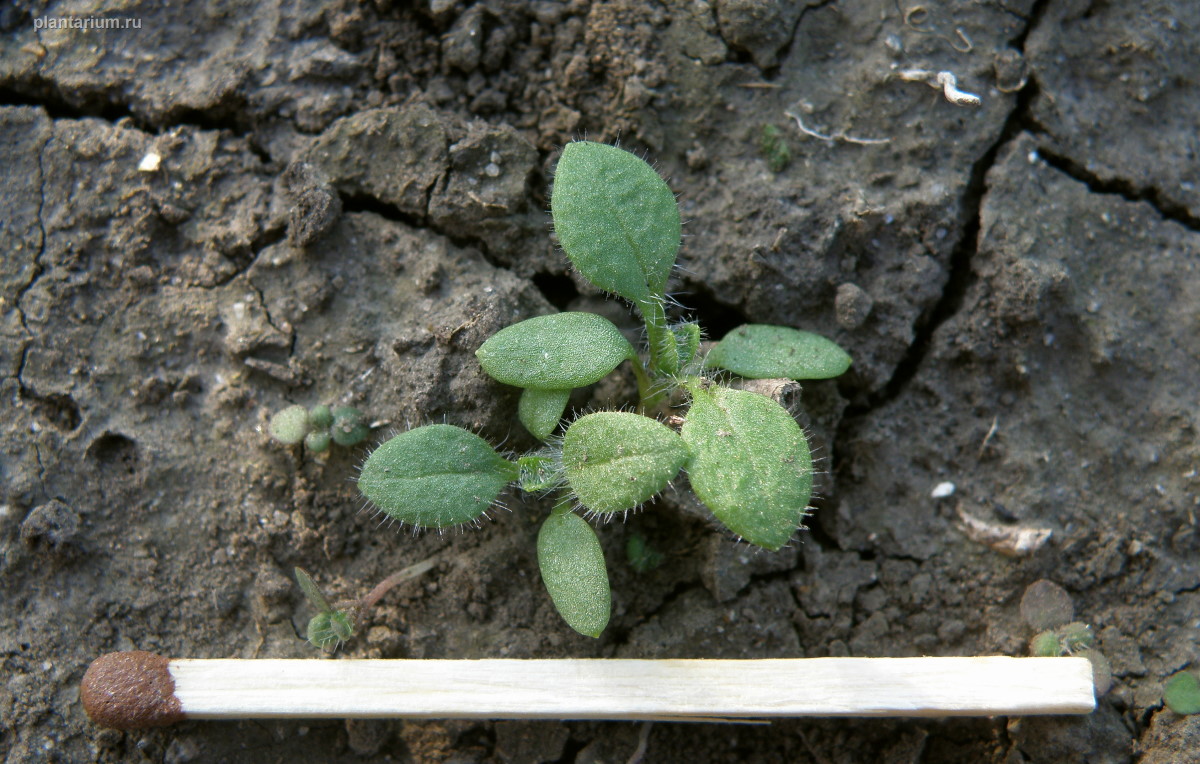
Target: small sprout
(329, 627)
(641, 556)
(290, 425)
(1182, 693)
(774, 148)
(318, 426)
(348, 428)
(573, 570)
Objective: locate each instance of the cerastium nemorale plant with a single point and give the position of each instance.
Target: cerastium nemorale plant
(745, 457)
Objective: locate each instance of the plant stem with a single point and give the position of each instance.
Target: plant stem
(643, 380)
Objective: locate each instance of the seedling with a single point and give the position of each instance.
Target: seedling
(746, 458)
(1047, 607)
(774, 148)
(319, 426)
(1182, 693)
(329, 627)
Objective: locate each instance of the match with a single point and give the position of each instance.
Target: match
(132, 690)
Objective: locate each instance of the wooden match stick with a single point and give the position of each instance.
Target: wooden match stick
(139, 689)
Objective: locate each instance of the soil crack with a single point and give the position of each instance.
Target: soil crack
(961, 274)
(1126, 189)
(39, 267)
(1020, 119)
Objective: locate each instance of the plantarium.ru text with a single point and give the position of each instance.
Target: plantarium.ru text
(745, 457)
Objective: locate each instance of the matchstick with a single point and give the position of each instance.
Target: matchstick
(139, 689)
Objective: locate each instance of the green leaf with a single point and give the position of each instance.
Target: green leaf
(329, 629)
(437, 476)
(290, 425)
(312, 592)
(540, 410)
(321, 417)
(1046, 645)
(759, 351)
(616, 460)
(750, 463)
(687, 337)
(616, 219)
(573, 570)
(1182, 693)
(555, 352)
(317, 441)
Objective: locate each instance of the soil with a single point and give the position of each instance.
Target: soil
(350, 197)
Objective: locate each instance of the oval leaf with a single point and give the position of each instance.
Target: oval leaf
(616, 460)
(540, 410)
(435, 476)
(555, 352)
(616, 219)
(760, 351)
(1182, 693)
(750, 463)
(573, 570)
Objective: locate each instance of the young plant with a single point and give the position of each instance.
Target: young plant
(1182, 693)
(319, 426)
(746, 458)
(329, 627)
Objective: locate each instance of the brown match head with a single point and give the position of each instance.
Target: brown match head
(130, 691)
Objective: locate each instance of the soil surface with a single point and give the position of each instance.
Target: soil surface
(231, 207)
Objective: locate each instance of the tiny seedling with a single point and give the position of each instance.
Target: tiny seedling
(319, 426)
(1182, 693)
(745, 456)
(773, 146)
(329, 627)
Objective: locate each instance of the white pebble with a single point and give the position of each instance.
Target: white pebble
(942, 490)
(149, 162)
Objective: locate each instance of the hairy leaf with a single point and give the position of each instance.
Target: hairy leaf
(750, 463)
(573, 570)
(616, 219)
(759, 351)
(540, 410)
(438, 475)
(687, 337)
(616, 460)
(555, 352)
